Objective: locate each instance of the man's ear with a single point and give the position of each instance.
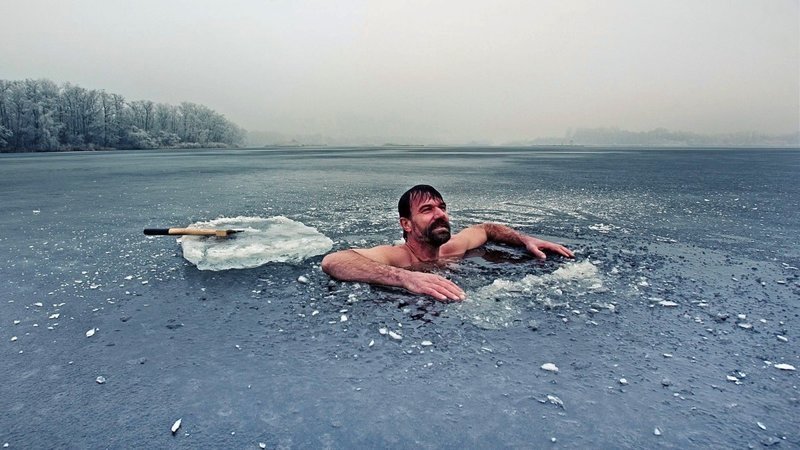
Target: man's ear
(406, 224)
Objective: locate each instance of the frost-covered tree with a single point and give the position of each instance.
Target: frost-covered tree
(39, 115)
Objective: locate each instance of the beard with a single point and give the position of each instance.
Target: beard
(438, 232)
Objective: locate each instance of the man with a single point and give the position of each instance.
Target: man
(426, 229)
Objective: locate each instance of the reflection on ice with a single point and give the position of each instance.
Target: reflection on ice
(498, 304)
(274, 239)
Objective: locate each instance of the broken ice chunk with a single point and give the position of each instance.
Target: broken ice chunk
(550, 367)
(555, 400)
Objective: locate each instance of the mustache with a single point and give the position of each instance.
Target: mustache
(440, 223)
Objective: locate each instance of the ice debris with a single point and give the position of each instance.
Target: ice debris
(555, 400)
(100, 380)
(302, 279)
(175, 426)
(784, 367)
(657, 432)
(550, 367)
(395, 336)
(91, 332)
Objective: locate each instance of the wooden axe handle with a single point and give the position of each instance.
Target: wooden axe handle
(183, 231)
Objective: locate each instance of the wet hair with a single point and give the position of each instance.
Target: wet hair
(420, 191)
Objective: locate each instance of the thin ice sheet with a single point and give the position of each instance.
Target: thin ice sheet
(273, 239)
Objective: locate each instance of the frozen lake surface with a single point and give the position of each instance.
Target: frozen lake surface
(679, 309)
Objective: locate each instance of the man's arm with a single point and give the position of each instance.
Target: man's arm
(477, 235)
(377, 266)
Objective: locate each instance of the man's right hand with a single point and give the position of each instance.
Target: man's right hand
(433, 285)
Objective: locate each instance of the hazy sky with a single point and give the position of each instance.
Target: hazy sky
(443, 70)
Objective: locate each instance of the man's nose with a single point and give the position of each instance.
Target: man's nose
(439, 213)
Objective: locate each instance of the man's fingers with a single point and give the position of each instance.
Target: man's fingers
(538, 253)
(440, 294)
(564, 251)
(445, 288)
(435, 294)
(437, 287)
(448, 289)
(456, 293)
(555, 248)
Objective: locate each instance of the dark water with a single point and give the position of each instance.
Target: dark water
(250, 356)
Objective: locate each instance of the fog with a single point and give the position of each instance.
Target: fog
(447, 71)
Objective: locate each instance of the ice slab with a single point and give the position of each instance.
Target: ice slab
(272, 239)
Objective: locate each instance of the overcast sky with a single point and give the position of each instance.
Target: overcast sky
(444, 70)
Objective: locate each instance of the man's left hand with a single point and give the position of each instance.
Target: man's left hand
(538, 246)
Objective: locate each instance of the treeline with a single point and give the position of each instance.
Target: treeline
(39, 115)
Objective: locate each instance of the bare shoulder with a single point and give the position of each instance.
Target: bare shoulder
(392, 255)
(463, 241)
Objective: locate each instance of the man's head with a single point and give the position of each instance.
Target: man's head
(423, 215)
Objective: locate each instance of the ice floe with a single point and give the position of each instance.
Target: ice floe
(273, 239)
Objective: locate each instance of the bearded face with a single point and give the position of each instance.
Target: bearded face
(438, 232)
(429, 222)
